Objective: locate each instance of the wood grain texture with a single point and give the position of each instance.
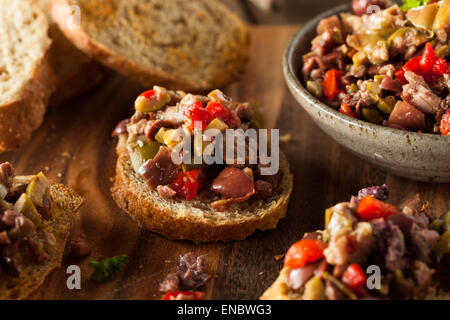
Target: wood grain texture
(74, 146)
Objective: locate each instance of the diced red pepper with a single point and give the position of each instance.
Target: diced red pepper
(196, 113)
(188, 295)
(303, 252)
(148, 94)
(345, 109)
(217, 110)
(412, 65)
(370, 208)
(178, 182)
(429, 66)
(188, 184)
(428, 57)
(445, 124)
(354, 276)
(440, 67)
(331, 83)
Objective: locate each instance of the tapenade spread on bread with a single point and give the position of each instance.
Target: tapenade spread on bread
(35, 222)
(369, 249)
(165, 122)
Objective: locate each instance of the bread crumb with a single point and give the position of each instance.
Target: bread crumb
(286, 138)
(65, 154)
(279, 257)
(59, 175)
(261, 273)
(47, 169)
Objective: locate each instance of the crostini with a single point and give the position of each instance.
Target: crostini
(196, 201)
(35, 222)
(369, 249)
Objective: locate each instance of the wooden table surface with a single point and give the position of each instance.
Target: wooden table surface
(74, 146)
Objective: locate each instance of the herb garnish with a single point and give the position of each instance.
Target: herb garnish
(106, 269)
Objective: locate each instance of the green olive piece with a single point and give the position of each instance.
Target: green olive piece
(444, 51)
(371, 115)
(443, 245)
(360, 58)
(154, 102)
(26, 207)
(218, 96)
(38, 189)
(315, 88)
(387, 104)
(314, 289)
(144, 150)
(374, 90)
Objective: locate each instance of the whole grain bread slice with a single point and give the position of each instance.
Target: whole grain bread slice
(26, 77)
(75, 72)
(65, 203)
(190, 45)
(195, 220)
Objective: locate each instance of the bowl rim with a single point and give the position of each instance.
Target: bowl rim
(294, 82)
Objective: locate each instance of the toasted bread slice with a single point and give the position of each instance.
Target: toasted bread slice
(195, 220)
(190, 45)
(278, 290)
(65, 203)
(75, 72)
(26, 77)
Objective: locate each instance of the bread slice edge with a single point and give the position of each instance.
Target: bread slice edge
(156, 214)
(66, 203)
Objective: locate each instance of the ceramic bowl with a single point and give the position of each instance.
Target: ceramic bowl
(422, 157)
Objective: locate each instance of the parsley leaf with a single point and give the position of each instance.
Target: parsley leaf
(409, 4)
(106, 269)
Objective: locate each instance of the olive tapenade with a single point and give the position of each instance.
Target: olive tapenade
(25, 203)
(385, 64)
(370, 249)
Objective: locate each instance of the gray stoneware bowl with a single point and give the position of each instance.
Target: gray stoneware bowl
(423, 157)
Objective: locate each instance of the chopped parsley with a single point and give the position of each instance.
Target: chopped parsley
(106, 269)
(410, 4)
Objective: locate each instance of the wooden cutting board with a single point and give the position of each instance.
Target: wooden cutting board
(74, 146)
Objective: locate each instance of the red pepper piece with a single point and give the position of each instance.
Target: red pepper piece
(217, 110)
(331, 83)
(178, 182)
(196, 113)
(445, 124)
(440, 68)
(188, 184)
(345, 109)
(303, 252)
(188, 295)
(429, 66)
(148, 94)
(354, 276)
(370, 208)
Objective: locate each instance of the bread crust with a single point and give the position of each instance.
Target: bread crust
(148, 77)
(66, 203)
(75, 73)
(153, 213)
(278, 290)
(86, 78)
(20, 118)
